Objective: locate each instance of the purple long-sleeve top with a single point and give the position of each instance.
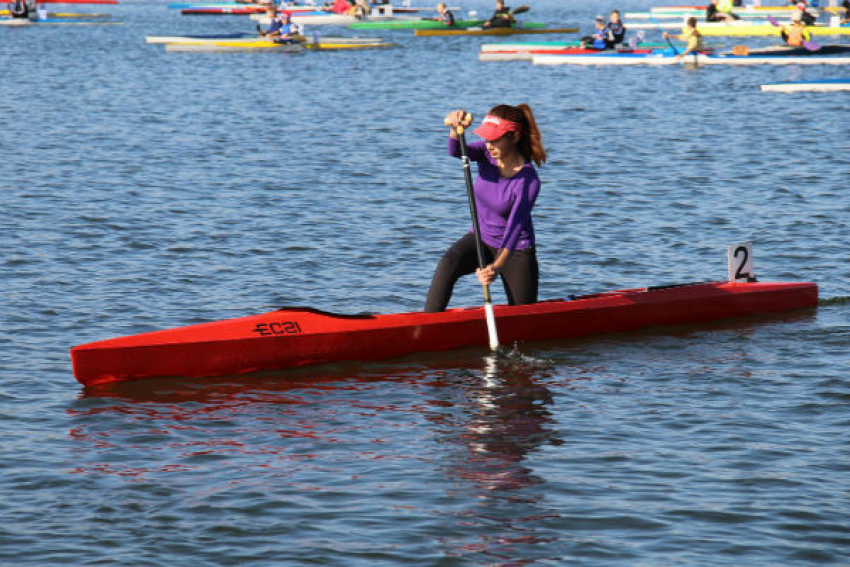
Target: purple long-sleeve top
(504, 204)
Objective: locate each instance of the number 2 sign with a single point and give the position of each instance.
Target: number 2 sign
(740, 261)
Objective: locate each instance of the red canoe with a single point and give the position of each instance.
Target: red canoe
(301, 336)
(77, 1)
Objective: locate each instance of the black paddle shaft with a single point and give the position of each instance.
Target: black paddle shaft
(473, 210)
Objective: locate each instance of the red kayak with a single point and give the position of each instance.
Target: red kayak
(300, 336)
(235, 11)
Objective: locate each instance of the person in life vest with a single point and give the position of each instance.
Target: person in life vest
(615, 24)
(796, 33)
(691, 35)
(502, 17)
(725, 7)
(713, 13)
(281, 29)
(602, 39)
(447, 17)
(22, 8)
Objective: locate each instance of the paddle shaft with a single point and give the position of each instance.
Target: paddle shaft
(670, 43)
(479, 244)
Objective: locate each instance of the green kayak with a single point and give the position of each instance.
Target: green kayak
(426, 24)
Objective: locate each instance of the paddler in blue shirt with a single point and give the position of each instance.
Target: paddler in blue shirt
(602, 39)
(281, 28)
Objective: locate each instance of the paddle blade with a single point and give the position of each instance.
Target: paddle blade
(811, 45)
(774, 21)
(522, 9)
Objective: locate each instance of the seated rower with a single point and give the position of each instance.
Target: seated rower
(502, 17)
(281, 29)
(713, 13)
(796, 34)
(448, 18)
(339, 7)
(20, 9)
(618, 30)
(846, 6)
(806, 17)
(691, 35)
(602, 39)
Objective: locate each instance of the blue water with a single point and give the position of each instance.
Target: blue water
(143, 190)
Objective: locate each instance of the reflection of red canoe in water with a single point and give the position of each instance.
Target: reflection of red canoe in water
(301, 336)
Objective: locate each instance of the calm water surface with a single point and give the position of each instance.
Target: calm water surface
(143, 190)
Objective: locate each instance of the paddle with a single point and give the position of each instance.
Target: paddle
(808, 44)
(520, 10)
(479, 245)
(670, 43)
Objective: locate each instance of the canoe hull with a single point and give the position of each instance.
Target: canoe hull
(699, 60)
(301, 336)
(494, 31)
(826, 85)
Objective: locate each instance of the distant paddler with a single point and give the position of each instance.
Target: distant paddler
(281, 29)
(448, 18)
(796, 34)
(805, 16)
(725, 7)
(713, 13)
(602, 38)
(846, 7)
(502, 17)
(22, 8)
(691, 35)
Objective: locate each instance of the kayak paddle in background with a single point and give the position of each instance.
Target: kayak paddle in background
(520, 10)
(479, 245)
(808, 44)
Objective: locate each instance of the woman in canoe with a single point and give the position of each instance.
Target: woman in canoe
(796, 34)
(691, 35)
(603, 38)
(505, 191)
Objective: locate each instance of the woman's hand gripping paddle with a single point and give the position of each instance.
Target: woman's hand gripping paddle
(479, 245)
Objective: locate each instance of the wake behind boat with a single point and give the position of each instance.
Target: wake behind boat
(295, 337)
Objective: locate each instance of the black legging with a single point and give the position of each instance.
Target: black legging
(520, 274)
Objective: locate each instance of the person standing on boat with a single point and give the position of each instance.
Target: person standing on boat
(505, 192)
(602, 39)
(502, 17)
(691, 35)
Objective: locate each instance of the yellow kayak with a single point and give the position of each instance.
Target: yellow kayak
(764, 29)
